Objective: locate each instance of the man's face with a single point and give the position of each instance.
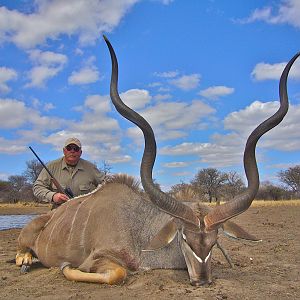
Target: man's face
(72, 154)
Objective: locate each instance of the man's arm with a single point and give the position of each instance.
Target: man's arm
(99, 176)
(42, 189)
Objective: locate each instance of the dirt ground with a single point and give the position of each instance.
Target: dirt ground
(266, 270)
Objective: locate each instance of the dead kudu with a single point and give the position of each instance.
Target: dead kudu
(101, 236)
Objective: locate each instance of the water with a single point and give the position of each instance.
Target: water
(14, 221)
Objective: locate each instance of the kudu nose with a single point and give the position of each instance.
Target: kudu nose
(201, 282)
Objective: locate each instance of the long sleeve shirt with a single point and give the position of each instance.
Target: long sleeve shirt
(81, 179)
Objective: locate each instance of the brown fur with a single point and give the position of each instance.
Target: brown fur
(111, 224)
(186, 194)
(126, 179)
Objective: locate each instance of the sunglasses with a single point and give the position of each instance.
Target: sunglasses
(73, 147)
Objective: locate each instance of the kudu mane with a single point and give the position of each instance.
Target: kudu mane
(120, 178)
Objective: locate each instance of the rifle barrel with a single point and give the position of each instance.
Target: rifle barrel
(66, 191)
(41, 161)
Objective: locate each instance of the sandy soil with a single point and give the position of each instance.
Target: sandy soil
(266, 270)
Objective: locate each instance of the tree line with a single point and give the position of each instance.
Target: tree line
(19, 187)
(209, 184)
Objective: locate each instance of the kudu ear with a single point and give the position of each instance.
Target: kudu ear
(164, 237)
(233, 230)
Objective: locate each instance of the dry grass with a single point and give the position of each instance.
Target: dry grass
(23, 204)
(255, 203)
(262, 203)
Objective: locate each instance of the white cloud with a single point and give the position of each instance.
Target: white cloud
(98, 103)
(6, 74)
(288, 12)
(136, 98)
(227, 150)
(36, 104)
(186, 82)
(47, 65)
(262, 14)
(98, 145)
(246, 119)
(160, 97)
(164, 89)
(50, 19)
(39, 75)
(87, 74)
(48, 106)
(14, 113)
(11, 147)
(165, 2)
(169, 74)
(99, 133)
(285, 136)
(176, 164)
(95, 119)
(160, 134)
(120, 159)
(155, 84)
(172, 120)
(79, 51)
(264, 71)
(47, 58)
(177, 115)
(216, 92)
(84, 76)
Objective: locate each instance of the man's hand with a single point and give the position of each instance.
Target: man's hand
(59, 198)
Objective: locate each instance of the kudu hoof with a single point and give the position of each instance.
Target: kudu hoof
(25, 269)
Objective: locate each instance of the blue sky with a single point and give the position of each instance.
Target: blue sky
(203, 73)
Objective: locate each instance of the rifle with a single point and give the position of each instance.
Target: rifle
(67, 191)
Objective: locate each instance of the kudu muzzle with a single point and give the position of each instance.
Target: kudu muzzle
(197, 247)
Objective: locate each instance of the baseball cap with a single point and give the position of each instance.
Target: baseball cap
(72, 140)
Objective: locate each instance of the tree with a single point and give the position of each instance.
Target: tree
(291, 178)
(17, 182)
(4, 190)
(4, 186)
(209, 181)
(20, 189)
(105, 168)
(233, 185)
(269, 191)
(34, 168)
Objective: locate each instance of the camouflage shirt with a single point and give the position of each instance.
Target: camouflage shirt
(81, 179)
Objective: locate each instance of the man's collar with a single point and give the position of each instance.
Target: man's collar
(79, 165)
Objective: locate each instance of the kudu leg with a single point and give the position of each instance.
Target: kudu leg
(225, 254)
(109, 273)
(26, 241)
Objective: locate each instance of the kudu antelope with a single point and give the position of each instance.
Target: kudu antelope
(100, 237)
